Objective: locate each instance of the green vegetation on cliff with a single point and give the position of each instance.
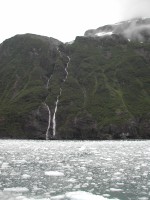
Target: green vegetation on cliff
(106, 94)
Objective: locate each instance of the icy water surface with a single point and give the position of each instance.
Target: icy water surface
(74, 170)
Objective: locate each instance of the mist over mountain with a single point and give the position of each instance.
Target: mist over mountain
(137, 29)
(94, 88)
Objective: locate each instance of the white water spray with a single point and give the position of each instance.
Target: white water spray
(66, 69)
(54, 116)
(59, 52)
(47, 85)
(49, 112)
(49, 121)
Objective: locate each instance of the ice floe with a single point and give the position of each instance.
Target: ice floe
(16, 189)
(79, 195)
(26, 176)
(115, 190)
(54, 173)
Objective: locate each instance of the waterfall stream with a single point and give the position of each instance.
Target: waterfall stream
(54, 116)
(49, 112)
(59, 52)
(66, 69)
(56, 103)
(49, 121)
(58, 97)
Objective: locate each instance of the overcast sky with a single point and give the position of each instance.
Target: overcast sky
(65, 19)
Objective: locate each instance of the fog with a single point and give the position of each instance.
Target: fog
(137, 31)
(135, 8)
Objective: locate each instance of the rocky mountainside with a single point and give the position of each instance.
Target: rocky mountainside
(95, 88)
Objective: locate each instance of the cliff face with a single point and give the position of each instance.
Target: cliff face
(95, 88)
(26, 65)
(109, 98)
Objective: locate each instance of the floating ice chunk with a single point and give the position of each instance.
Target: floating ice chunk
(54, 173)
(85, 185)
(83, 168)
(108, 159)
(121, 184)
(72, 180)
(106, 195)
(115, 190)
(144, 165)
(104, 33)
(25, 198)
(143, 198)
(20, 161)
(82, 148)
(80, 195)
(16, 189)
(58, 197)
(25, 176)
(77, 186)
(69, 186)
(14, 173)
(117, 173)
(89, 178)
(35, 188)
(5, 165)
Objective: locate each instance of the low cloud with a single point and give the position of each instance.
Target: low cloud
(136, 8)
(137, 31)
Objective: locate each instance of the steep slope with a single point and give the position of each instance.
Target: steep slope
(107, 95)
(27, 63)
(94, 88)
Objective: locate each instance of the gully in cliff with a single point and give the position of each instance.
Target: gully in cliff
(56, 103)
(58, 97)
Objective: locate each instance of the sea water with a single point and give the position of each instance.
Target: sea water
(74, 170)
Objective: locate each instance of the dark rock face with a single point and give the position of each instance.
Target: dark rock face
(36, 123)
(96, 88)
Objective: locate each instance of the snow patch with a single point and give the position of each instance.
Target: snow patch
(104, 33)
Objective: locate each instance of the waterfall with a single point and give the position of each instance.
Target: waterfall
(59, 52)
(58, 97)
(49, 112)
(66, 69)
(54, 116)
(49, 121)
(47, 85)
(56, 103)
